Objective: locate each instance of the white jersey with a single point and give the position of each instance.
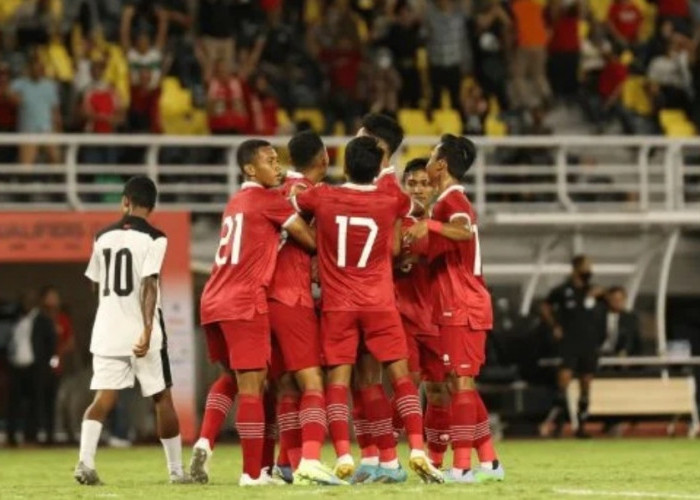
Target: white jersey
(123, 254)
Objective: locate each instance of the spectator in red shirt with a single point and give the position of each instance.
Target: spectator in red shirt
(624, 22)
(678, 12)
(263, 107)
(143, 109)
(227, 98)
(607, 105)
(564, 48)
(342, 64)
(103, 112)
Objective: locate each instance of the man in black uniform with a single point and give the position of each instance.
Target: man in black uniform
(571, 311)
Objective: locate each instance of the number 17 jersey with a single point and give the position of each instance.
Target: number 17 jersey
(247, 254)
(354, 240)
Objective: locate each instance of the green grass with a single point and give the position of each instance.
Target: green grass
(652, 468)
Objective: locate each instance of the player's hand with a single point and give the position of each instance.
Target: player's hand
(140, 348)
(558, 333)
(416, 231)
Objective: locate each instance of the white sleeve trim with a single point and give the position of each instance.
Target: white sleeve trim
(412, 207)
(460, 215)
(293, 200)
(291, 219)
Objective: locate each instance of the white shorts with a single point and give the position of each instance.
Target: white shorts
(120, 372)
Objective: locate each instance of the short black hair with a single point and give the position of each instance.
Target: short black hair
(413, 166)
(578, 260)
(459, 153)
(141, 192)
(248, 150)
(304, 147)
(617, 289)
(363, 159)
(385, 128)
(45, 290)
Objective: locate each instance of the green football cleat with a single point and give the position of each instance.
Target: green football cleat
(313, 472)
(428, 473)
(486, 475)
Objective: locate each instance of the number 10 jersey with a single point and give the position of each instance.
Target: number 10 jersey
(123, 254)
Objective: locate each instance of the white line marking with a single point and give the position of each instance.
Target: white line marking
(634, 494)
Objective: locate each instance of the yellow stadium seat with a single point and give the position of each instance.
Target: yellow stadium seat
(448, 121)
(57, 60)
(675, 123)
(313, 116)
(584, 29)
(495, 127)
(283, 118)
(414, 122)
(8, 8)
(635, 96)
(599, 9)
(422, 59)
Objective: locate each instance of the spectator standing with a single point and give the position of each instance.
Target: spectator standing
(145, 55)
(571, 312)
(29, 26)
(38, 111)
(492, 29)
(530, 85)
(670, 77)
(608, 103)
(65, 347)
(620, 328)
(474, 108)
(625, 22)
(677, 12)
(143, 107)
(448, 48)
(343, 63)
(403, 39)
(8, 113)
(383, 85)
(103, 112)
(564, 48)
(143, 16)
(32, 346)
(216, 26)
(263, 107)
(227, 96)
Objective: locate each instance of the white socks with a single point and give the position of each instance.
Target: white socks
(89, 438)
(391, 464)
(345, 459)
(369, 461)
(173, 454)
(203, 443)
(486, 465)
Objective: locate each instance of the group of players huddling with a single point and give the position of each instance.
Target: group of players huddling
(402, 294)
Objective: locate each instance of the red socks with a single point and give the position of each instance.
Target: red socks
(250, 422)
(289, 431)
(462, 428)
(338, 418)
(482, 434)
(219, 402)
(312, 416)
(396, 420)
(363, 427)
(437, 431)
(268, 458)
(408, 406)
(378, 411)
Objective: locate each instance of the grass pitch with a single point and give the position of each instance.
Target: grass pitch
(641, 469)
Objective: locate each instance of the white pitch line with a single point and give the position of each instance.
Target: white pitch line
(633, 494)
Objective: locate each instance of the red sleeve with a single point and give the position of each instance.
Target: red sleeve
(278, 210)
(456, 205)
(307, 200)
(404, 204)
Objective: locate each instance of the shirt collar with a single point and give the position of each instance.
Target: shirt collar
(359, 187)
(250, 184)
(293, 174)
(386, 171)
(456, 187)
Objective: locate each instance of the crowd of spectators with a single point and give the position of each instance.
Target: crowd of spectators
(258, 66)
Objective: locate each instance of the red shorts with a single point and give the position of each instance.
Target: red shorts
(424, 353)
(276, 369)
(295, 329)
(464, 350)
(381, 332)
(240, 344)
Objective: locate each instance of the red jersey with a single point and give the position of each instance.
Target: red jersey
(627, 19)
(354, 240)
(247, 253)
(459, 290)
(291, 283)
(104, 102)
(229, 105)
(413, 288)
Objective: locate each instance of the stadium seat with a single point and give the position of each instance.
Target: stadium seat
(415, 122)
(283, 118)
(8, 8)
(57, 59)
(635, 96)
(675, 123)
(494, 127)
(447, 121)
(313, 116)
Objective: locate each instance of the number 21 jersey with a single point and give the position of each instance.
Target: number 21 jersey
(354, 239)
(247, 254)
(122, 255)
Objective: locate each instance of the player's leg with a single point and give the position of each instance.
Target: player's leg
(250, 421)
(110, 374)
(438, 412)
(552, 424)
(585, 381)
(366, 374)
(288, 425)
(386, 340)
(414, 367)
(219, 402)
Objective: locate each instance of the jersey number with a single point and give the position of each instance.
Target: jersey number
(123, 272)
(343, 223)
(233, 226)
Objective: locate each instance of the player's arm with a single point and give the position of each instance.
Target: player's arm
(548, 316)
(148, 300)
(93, 269)
(457, 229)
(398, 238)
(302, 233)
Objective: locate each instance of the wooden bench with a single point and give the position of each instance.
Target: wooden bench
(638, 397)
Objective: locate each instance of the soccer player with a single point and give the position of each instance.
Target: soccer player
(295, 325)
(462, 307)
(368, 372)
(128, 336)
(356, 235)
(414, 302)
(234, 310)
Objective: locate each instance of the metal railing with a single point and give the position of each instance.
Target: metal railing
(518, 175)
